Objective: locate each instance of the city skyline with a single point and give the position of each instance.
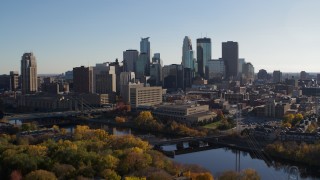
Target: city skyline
(271, 35)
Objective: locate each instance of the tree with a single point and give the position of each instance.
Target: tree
(64, 171)
(288, 118)
(110, 175)
(40, 175)
(120, 119)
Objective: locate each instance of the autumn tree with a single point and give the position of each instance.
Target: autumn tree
(40, 175)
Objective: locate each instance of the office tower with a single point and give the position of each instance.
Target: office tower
(142, 66)
(173, 77)
(83, 79)
(68, 75)
(145, 47)
(248, 72)
(318, 78)
(203, 54)
(155, 71)
(187, 54)
(277, 76)
(230, 55)
(262, 74)
(118, 69)
(304, 75)
(105, 81)
(125, 79)
(188, 77)
(216, 69)
(29, 80)
(4, 82)
(130, 58)
(241, 62)
(14, 80)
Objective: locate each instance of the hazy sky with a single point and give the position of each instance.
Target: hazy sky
(272, 34)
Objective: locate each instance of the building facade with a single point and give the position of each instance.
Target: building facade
(203, 54)
(145, 96)
(130, 58)
(29, 83)
(230, 55)
(83, 79)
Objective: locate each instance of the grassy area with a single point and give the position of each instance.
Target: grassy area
(213, 125)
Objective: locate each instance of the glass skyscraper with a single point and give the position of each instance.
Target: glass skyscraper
(187, 54)
(203, 54)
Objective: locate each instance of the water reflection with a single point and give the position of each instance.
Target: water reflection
(223, 159)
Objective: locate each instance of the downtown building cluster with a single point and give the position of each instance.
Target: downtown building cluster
(199, 84)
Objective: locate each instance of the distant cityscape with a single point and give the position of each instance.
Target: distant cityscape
(198, 93)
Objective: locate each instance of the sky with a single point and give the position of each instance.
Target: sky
(273, 35)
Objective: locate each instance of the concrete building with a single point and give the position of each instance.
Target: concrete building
(184, 112)
(145, 96)
(230, 55)
(125, 92)
(130, 58)
(125, 79)
(203, 54)
(277, 76)
(14, 80)
(83, 79)
(304, 75)
(29, 83)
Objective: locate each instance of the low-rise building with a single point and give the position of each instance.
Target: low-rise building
(184, 112)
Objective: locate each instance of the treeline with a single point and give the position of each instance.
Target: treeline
(304, 153)
(90, 154)
(146, 121)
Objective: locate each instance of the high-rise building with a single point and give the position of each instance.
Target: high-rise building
(216, 69)
(4, 82)
(130, 58)
(187, 53)
(105, 81)
(29, 81)
(277, 76)
(248, 72)
(156, 71)
(304, 75)
(14, 80)
(145, 47)
(203, 54)
(262, 74)
(83, 79)
(230, 55)
(173, 77)
(318, 78)
(142, 66)
(241, 62)
(125, 79)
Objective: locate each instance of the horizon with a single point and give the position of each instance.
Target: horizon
(271, 35)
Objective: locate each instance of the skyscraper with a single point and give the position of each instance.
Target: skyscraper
(130, 58)
(187, 53)
(277, 76)
(142, 66)
(230, 55)
(14, 80)
(145, 47)
(203, 54)
(29, 83)
(83, 79)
